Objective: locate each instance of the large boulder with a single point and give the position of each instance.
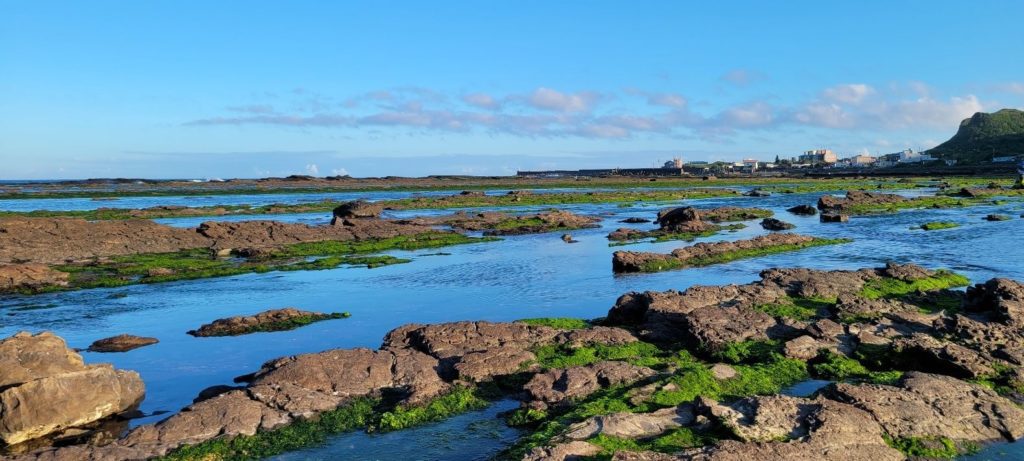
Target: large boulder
(357, 209)
(47, 388)
(927, 405)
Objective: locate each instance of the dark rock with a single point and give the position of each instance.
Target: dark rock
(635, 220)
(356, 209)
(121, 343)
(272, 320)
(803, 210)
(773, 224)
(832, 217)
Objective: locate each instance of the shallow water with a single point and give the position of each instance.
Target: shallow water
(519, 277)
(477, 435)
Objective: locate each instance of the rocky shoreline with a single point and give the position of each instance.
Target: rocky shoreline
(916, 370)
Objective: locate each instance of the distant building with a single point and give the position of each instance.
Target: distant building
(676, 163)
(818, 156)
(861, 160)
(888, 160)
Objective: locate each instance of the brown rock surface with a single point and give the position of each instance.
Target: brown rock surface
(30, 277)
(57, 240)
(556, 387)
(934, 405)
(46, 388)
(274, 319)
(121, 343)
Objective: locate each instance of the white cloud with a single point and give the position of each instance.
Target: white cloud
(312, 170)
(742, 77)
(339, 172)
(481, 100)
(848, 93)
(548, 99)
(667, 99)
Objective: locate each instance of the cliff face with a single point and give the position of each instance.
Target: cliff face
(984, 136)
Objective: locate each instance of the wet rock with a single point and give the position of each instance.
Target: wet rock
(773, 224)
(567, 238)
(486, 364)
(46, 388)
(837, 205)
(632, 425)
(722, 371)
(473, 193)
(715, 327)
(803, 210)
(271, 320)
(631, 261)
(1001, 297)
(927, 405)
(213, 391)
(30, 277)
(269, 234)
(448, 340)
(834, 217)
(757, 193)
(596, 335)
(557, 387)
(810, 283)
(121, 343)
(926, 353)
(334, 375)
(789, 428)
(356, 209)
(685, 219)
(570, 451)
(997, 217)
(226, 415)
(58, 240)
(635, 220)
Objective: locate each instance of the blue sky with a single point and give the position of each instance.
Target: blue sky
(248, 88)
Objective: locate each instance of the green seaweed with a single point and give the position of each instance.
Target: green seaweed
(561, 323)
(888, 287)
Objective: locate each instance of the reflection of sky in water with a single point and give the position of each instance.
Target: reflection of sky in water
(519, 277)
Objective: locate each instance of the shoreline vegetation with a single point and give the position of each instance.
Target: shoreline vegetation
(952, 195)
(102, 191)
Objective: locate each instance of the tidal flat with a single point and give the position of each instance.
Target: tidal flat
(680, 351)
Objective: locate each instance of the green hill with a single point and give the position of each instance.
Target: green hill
(984, 136)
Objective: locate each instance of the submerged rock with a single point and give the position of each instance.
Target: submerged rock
(630, 261)
(46, 388)
(121, 343)
(834, 217)
(842, 205)
(803, 210)
(773, 224)
(272, 320)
